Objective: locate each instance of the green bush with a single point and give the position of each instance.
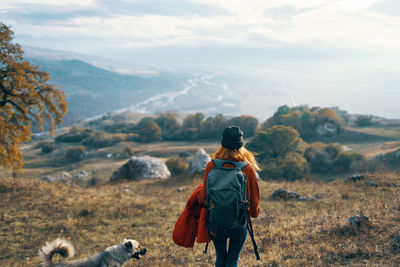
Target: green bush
(176, 166)
(331, 157)
(74, 154)
(346, 159)
(290, 167)
(321, 156)
(128, 151)
(47, 147)
(304, 119)
(276, 142)
(148, 130)
(363, 121)
(75, 135)
(120, 127)
(101, 139)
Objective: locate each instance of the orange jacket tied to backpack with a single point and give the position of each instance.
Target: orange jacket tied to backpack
(192, 223)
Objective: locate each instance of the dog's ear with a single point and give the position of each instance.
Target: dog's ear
(128, 244)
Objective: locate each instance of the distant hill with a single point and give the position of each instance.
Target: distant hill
(91, 91)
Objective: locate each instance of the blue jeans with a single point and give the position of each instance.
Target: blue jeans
(229, 256)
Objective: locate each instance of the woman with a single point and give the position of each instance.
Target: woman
(232, 149)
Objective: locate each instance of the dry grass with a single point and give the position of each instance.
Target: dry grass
(289, 233)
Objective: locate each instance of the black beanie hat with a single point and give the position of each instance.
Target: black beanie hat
(232, 137)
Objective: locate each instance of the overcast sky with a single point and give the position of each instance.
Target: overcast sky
(307, 44)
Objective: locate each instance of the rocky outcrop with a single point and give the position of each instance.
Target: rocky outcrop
(327, 129)
(358, 220)
(199, 162)
(354, 178)
(80, 175)
(287, 195)
(141, 168)
(62, 178)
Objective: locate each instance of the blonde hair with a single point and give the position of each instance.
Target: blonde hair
(241, 154)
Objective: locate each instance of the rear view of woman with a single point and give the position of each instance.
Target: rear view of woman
(228, 229)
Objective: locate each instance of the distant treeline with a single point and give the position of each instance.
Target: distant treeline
(194, 127)
(166, 126)
(288, 145)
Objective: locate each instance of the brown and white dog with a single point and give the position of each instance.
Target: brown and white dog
(114, 256)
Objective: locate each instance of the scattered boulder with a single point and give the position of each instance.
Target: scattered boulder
(354, 178)
(372, 184)
(286, 195)
(64, 177)
(199, 162)
(358, 220)
(93, 182)
(80, 175)
(181, 189)
(141, 168)
(48, 179)
(327, 129)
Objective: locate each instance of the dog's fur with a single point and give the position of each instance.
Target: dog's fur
(113, 256)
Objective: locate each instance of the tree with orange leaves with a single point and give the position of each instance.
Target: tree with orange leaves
(26, 98)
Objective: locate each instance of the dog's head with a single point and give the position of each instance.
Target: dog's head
(133, 248)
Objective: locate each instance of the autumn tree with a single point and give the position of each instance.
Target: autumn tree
(26, 99)
(149, 130)
(247, 123)
(280, 151)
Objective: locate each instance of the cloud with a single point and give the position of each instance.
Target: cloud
(130, 24)
(9, 4)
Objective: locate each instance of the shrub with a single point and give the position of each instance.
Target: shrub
(101, 139)
(291, 167)
(149, 130)
(120, 127)
(128, 150)
(305, 120)
(176, 166)
(334, 150)
(75, 135)
(47, 147)
(75, 154)
(276, 142)
(321, 156)
(320, 162)
(363, 121)
(346, 159)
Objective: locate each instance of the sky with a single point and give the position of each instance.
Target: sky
(325, 52)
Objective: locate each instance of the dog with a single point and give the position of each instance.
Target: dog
(114, 256)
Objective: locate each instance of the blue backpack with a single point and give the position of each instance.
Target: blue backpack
(226, 195)
(226, 199)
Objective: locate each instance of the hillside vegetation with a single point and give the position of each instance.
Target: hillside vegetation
(289, 233)
(93, 213)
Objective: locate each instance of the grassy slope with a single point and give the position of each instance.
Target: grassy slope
(289, 233)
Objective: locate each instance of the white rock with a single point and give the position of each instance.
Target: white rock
(327, 129)
(141, 168)
(199, 161)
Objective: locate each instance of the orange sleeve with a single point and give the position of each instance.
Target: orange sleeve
(253, 191)
(202, 195)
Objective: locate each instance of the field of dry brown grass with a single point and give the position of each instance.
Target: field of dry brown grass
(289, 233)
